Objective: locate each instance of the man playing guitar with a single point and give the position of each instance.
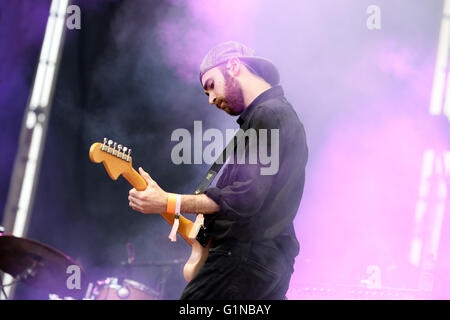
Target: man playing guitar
(249, 215)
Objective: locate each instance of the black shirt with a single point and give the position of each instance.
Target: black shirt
(260, 207)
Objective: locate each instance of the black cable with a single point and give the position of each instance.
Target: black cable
(4, 293)
(8, 285)
(23, 276)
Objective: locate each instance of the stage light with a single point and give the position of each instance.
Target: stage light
(49, 54)
(440, 95)
(429, 216)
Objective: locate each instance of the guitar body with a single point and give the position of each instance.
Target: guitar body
(197, 259)
(117, 163)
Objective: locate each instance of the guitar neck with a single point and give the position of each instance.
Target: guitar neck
(139, 183)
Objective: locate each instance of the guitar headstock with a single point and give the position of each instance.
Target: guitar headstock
(115, 158)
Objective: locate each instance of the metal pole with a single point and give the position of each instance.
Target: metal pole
(27, 164)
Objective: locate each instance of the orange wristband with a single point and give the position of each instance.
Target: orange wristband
(172, 203)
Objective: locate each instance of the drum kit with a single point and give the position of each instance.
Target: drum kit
(47, 269)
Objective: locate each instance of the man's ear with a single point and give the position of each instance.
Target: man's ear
(234, 66)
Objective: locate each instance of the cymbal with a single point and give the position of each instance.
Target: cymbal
(48, 267)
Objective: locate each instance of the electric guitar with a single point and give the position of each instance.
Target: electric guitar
(118, 162)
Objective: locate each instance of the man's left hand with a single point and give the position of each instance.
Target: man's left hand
(152, 200)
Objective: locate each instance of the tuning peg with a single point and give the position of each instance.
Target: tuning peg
(119, 147)
(124, 156)
(110, 143)
(115, 143)
(129, 152)
(104, 147)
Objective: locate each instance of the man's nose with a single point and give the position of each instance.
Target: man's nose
(212, 99)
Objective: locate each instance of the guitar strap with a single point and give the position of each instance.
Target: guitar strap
(229, 150)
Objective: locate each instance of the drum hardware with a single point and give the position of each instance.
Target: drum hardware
(166, 266)
(43, 267)
(28, 272)
(123, 292)
(36, 264)
(122, 287)
(126, 265)
(131, 252)
(130, 263)
(53, 296)
(112, 289)
(87, 296)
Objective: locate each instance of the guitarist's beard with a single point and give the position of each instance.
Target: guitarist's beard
(233, 101)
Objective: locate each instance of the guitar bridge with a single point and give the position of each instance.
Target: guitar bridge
(202, 237)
